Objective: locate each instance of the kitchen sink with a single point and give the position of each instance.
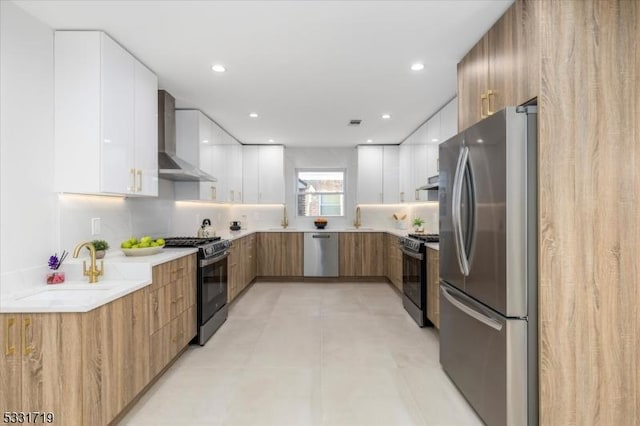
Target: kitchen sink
(71, 292)
(66, 294)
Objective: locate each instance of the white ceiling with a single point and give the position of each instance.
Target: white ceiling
(307, 67)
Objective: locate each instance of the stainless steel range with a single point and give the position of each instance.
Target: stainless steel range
(211, 283)
(414, 276)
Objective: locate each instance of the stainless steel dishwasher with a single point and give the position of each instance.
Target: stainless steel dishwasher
(320, 254)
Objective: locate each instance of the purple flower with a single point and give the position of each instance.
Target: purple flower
(54, 263)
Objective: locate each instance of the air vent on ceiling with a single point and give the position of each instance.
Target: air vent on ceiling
(355, 122)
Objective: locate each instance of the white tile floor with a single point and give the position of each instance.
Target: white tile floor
(309, 354)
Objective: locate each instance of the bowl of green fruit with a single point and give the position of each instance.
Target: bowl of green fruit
(145, 246)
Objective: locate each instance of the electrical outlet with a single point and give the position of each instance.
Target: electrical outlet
(95, 226)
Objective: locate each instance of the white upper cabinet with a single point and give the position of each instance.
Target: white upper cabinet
(105, 118)
(406, 172)
(419, 152)
(263, 174)
(235, 165)
(378, 174)
(201, 142)
(146, 130)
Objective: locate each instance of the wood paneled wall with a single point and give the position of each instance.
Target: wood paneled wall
(589, 154)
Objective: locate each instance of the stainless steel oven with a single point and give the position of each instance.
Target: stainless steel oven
(212, 282)
(212, 294)
(414, 276)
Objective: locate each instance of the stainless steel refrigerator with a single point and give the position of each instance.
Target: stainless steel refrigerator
(488, 266)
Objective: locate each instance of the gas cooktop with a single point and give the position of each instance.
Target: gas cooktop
(188, 241)
(429, 238)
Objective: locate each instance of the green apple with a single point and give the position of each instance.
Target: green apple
(144, 244)
(146, 239)
(126, 245)
(133, 240)
(135, 246)
(153, 244)
(160, 241)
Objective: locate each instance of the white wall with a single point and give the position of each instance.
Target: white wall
(27, 203)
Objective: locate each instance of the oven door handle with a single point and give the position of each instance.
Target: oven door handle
(207, 262)
(418, 256)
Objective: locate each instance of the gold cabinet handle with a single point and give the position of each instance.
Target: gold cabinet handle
(9, 350)
(213, 193)
(483, 97)
(26, 350)
(139, 185)
(132, 180)
(490, 93)
(402, 197)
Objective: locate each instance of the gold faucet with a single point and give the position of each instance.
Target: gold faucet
(93, 272)
(358, 222)
(285, 221)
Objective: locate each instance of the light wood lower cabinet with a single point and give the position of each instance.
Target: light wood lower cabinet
(87, 367)
(171, 299)
(280, 254)
(115, 355)
(242, 265)
(362, 254)
(40, 365)
(393, 257)
(433, 286)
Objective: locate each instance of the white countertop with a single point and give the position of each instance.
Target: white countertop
(122, 275)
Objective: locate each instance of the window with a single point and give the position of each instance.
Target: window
(320, 192)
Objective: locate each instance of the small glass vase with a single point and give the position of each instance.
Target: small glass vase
(55, 277)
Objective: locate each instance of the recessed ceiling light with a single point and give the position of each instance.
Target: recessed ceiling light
(480, 141)
(218, 68)
(369, 140)
(253, 114)
(205, 141)
(386, 116)
(435, 140)
(417, 66)
(271, 141)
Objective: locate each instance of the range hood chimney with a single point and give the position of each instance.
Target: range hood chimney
(170, 166)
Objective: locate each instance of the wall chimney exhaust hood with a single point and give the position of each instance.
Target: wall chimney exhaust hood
(172, 167)
(432, 184)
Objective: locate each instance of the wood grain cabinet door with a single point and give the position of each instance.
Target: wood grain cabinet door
(502, 69)
(433, 286)
(473, 78)
(372, 254)
(349, 249)
(280, 254)
(51, 352)
(11, 362)
(291, 255)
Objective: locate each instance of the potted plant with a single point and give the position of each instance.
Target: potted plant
(101, 247)
(417, 224)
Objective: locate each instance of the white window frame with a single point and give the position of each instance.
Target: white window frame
(320, 170)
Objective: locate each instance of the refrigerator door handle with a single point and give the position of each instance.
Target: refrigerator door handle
(456, 207)
(469, 311)
(465, 171)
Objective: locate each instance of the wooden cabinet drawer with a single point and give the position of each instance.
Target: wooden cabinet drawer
(159, 308)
